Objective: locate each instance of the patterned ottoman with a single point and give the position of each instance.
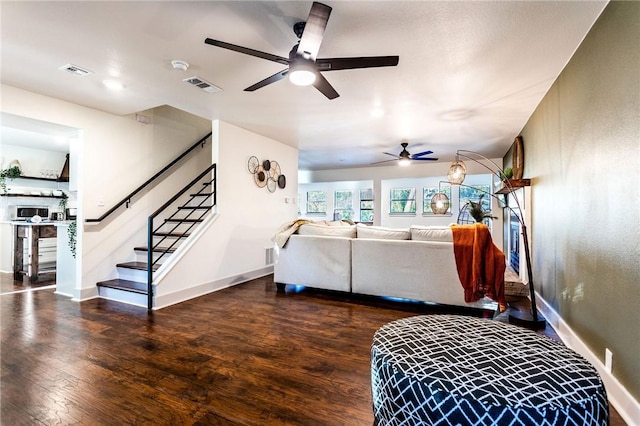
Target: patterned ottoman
(457, 370)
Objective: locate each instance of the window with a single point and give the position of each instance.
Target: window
(473, 193)
(403, 201)
(316, 203)
(343, 205)
(366, 205)
(427, 195)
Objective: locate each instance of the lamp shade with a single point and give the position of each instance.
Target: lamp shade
(457, 172)
(440, 203)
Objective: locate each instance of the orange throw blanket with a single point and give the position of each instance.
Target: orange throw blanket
(480, 263)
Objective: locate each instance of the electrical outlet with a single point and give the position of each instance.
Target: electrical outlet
(608, 359)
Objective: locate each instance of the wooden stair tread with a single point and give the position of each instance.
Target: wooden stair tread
(202, 194)
(195, 207)
(125, 285)
(156, 249)
(184, 220)
(141, 266)
(170, 234)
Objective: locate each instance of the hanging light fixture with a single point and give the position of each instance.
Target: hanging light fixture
(457, 172)
(440, 203)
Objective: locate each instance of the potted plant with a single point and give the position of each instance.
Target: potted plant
(506, 174)
(11, 173)
(477, 212)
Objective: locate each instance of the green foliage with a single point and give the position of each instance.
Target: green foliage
(11, 173)
(72, 233)
(477, 212)
(507, 174)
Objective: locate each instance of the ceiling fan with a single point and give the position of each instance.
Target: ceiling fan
(404, 158)
(303, 67)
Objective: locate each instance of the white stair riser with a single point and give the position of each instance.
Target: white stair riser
(132, 275)
(141, 256)
(123, 296)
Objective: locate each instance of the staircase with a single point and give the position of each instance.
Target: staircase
(176, 221)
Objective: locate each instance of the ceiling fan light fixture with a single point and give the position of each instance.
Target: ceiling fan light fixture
(302, 73)
(404, 161)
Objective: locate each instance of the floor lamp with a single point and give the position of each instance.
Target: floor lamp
(440, 204)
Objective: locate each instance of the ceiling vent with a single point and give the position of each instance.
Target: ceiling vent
(202, 84)
(74, 69)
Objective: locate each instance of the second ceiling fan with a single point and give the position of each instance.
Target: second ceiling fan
(404, 158)
(303, 66)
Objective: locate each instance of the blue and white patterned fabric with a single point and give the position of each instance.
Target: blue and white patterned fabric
(457, 370)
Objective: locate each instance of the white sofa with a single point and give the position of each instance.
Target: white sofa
(416, 263)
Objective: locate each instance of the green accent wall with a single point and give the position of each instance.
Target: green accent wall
(582, 152)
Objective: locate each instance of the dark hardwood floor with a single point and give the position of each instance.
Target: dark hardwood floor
(241, 356)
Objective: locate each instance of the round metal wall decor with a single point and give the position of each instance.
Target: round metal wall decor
(266, 173)
(271, 184)
(260, 177)
(253, 164)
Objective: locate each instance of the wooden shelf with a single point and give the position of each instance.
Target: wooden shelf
(31, 196)
(60, 179)
(513, 184)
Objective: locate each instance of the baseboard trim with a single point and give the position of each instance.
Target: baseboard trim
(164, 300)
(619, 397)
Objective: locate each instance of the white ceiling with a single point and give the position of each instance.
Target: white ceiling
(470, 72)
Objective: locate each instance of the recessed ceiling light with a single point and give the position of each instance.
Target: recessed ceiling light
(113, 84)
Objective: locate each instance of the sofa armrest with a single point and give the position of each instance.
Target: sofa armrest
(315, 261)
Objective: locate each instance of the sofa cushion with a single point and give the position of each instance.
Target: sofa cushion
(432, 233)
(381, 233)
(348, 231)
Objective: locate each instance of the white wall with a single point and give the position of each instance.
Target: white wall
(233, 248)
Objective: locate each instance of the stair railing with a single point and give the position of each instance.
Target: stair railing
(127, 200)
(205, 194)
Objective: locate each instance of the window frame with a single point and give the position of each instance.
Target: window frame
(410, 201)
(324, 202)
(349, 211)
(366, 209)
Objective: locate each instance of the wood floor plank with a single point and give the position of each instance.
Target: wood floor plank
(246, 355)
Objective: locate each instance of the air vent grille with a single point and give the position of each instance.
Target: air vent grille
(74, 69)
(202, 84)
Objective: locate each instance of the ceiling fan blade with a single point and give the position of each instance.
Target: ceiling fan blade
(325, 87)
(384, 161)
(333, 64)
(425, 159)
(314, 30)
(247, 51)
(420, 154)
(393, 155)
(276, 77)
